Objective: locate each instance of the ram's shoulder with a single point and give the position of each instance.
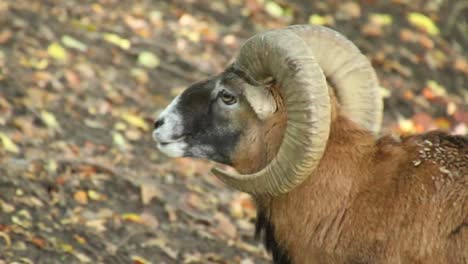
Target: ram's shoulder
(435, 159)
(447, 152)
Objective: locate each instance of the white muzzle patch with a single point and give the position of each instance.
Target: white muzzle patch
(169, 134)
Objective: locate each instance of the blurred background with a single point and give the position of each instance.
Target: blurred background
(81, 81)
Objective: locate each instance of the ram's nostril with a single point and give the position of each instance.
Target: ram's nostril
(158, 123)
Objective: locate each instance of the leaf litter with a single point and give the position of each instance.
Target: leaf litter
(79, 85)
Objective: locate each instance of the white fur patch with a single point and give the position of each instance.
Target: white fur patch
(169, 133)
(172, 125)
(173, 150)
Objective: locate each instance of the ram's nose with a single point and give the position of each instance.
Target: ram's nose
(158, 123)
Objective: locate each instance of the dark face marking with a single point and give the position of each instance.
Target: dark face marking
(209, 122)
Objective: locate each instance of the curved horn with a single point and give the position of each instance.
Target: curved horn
(349, 72)
(285, 56)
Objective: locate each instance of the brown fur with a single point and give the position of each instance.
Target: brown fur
(369, 200)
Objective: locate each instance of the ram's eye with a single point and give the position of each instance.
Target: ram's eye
(227, 98)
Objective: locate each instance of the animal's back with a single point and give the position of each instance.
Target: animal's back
(420, 193)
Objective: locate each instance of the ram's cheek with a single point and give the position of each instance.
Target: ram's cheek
(173, 150)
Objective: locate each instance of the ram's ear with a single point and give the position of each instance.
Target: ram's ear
(261, 100)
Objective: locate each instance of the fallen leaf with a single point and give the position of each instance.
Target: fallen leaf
(38, 64)
(131, 217)
(135, 120)
(119, 140)
(66, 247)
(426, 42)
(6, 207)
(372, 30)
(93, 195)
(8, 144)
(461, 64)
(21, 221)
(73, 43)
(423, 22)
(407, 35)
(148, 59)
(49, 119)
(443, 123)
(436, 88)
(384, 92)
(381, 19)
(5, 36)
(98, 224)
(242, 206)
(117, 40)
(133, 134)
(81, 240)
(82, 257)
(274, 9)
(321, 20)
(39, 242)
(451, 108)
(348, 10)
(6, 238)
(57, 52)
(406, 126)
(80, 197)
(139, 260)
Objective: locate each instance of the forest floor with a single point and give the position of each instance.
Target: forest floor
(81, 82)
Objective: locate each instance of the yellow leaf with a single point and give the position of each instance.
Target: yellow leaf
(117, 40)
(131, 217)
(320, 20)
(119, 140)
(81, 240)
(406, 125)
(274, 9)
(8, 144)
(49, 119)
(381, 19)
(38, 64)
(66, 247)
(135, 120)
(93, 195)
(148, 59)
(384, 92)
(56, 51)
(436, 88)
(422, 21)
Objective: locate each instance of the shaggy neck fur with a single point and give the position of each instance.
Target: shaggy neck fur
(310, 216)
(319, 203)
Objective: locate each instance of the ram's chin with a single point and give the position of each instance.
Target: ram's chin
(173, 150)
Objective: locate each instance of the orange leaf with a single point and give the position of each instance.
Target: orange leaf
(428, 94)
(39, 242)
(81, 197)
(408, 95)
